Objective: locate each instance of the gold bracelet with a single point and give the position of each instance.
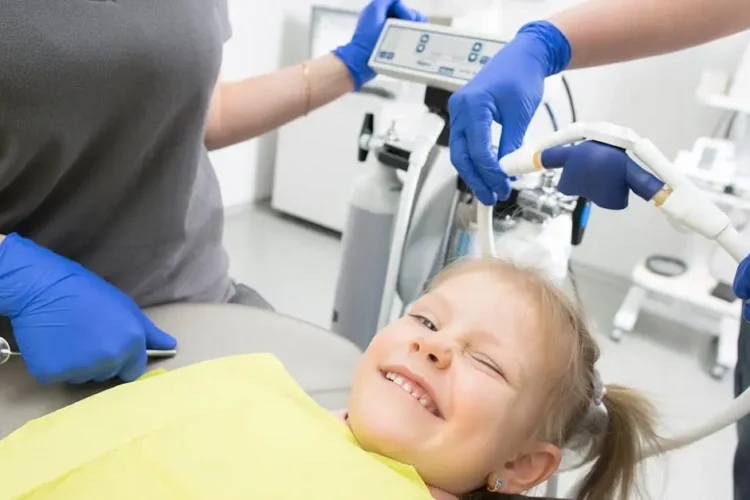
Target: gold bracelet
(308, 87)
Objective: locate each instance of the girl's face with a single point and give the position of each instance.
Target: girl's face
(455, 387)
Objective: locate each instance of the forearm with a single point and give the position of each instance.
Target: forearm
(608, 31)
(249, 108)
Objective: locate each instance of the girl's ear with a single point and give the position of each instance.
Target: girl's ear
(529, 469)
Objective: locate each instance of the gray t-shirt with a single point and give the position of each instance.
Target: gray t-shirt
(102, 113)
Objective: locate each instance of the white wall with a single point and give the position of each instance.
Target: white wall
(245, 170)
(655, 97)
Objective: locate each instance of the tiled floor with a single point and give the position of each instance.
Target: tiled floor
(295, 266)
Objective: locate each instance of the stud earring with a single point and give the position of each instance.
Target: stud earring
(498, 485)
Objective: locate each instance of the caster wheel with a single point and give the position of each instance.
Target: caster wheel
(616, 335)
(718, 372)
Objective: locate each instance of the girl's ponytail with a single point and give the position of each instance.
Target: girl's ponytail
(630, 427)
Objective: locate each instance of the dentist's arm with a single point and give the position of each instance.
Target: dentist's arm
(242, 110)
(608, 31)
(509, 88)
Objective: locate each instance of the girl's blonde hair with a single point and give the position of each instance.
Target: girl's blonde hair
(629, 423)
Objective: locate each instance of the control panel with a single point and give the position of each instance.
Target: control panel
(431, 54)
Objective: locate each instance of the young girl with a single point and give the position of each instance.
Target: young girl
(478, 391)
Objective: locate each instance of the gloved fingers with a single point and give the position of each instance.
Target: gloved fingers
(511, 136)
(479, 142)
(134, 367)
(107, 375)
(80, 380)
(591, 153)
(556, 156)
(742, 279)
(418, 16)
(100, 372)
(44, 376)
(380, 8)
(401, 11)
(158, 339)
(642, 182)
(460, 158)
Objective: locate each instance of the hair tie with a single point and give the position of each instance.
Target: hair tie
(599, 390)
(586, 439)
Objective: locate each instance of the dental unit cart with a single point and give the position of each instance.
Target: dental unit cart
(391, 248)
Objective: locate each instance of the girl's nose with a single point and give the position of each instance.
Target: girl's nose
(436, 350)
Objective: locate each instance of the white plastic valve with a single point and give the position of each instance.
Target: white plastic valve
(687, 205)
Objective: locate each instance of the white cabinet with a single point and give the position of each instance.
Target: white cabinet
(316, 161)
(316, 156)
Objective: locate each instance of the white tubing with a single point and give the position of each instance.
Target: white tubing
(688, 206)
(573, 133)
(521, 161)
(659, 164)
(686, 203)
(738, 248)
(429, 131)
(735, 245)
(485, 230)
(731, 414)
(704, 216)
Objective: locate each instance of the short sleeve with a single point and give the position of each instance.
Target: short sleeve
(224, 25)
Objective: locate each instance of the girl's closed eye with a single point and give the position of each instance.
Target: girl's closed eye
(487, 362)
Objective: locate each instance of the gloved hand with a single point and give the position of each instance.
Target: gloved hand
(507, 90)
(356, 54)
(601, 173)
(70, 324)
(742, 286)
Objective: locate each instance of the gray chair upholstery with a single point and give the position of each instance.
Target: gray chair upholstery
(321, 362)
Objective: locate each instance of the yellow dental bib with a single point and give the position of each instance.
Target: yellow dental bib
(233, 428)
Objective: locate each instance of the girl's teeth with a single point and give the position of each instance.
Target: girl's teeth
(416, 392)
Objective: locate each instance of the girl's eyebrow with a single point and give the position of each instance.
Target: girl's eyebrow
(442, 301)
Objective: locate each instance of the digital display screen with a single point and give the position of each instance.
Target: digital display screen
(456, 56)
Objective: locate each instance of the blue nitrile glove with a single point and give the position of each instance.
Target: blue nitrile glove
(601, 173)
(71, 325)
(742, 286)
(507, 90)
(356, 54)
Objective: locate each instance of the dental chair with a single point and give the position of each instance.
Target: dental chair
(321, 362)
